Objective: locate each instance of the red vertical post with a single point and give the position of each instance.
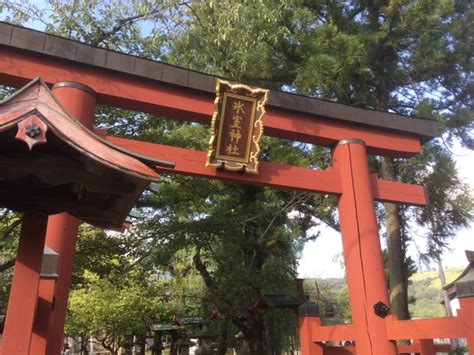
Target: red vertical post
(426, 346)
(24, 290)
(43, 311)
(309, 321)
(361, 247)
(466, 314)
(61, 235)
(48, 332)
(305, 333)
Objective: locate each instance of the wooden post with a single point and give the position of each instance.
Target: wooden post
(466, 313)
(24, 290)
(79, 100)
(361, 245)
(426, 346)
(308, 314)
(465, 293)
(43, 311)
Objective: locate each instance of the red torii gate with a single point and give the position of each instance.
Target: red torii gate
(134, 83)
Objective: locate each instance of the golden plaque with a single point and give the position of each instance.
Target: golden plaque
(236, 127)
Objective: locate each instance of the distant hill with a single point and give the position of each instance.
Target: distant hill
(425, 289)
(424, 292)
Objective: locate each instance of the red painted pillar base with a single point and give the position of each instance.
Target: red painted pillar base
(361, 246)
(61, 236)
(24, 290)
(426, 346)
(45, 305)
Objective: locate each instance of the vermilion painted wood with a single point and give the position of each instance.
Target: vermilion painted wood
(362, 252)
(119, 90)
(466, 316)
(61, 236)
(62, 228)
(40, 328)
(317, 130)
(79, 103)
(426, 346)
(443, 327)
(24, 290)
(397, 192)
(191, 162)
(305, 332)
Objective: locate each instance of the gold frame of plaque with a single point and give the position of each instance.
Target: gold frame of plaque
(236, 127)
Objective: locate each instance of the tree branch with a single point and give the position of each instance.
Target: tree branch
(7, 265)
(121, 23)
(186, 4)
(6, 233)
(226, 309)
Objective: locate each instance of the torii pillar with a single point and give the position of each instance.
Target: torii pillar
(361, 247)
(61, 235)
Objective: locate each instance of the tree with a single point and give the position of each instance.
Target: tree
(114, 313)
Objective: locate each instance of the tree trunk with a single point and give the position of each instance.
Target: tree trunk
(222, 344)
(442, 277)
(447, 305)
(396, 253)
(142, 342)
(256, 340)
(397, 278)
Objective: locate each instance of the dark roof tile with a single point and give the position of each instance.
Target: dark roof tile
(201, 81)
(148, 69)
(5, 33)
(60, 47)
(117, 61)
(175, 75)
(90, 55)
(31, 40)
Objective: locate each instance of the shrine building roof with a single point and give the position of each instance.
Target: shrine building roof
(51, 163)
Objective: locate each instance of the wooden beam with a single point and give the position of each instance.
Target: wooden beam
(192, 162)
(443, 327)
(138, 94)
(397, 192)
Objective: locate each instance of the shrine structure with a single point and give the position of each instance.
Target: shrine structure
(58, 169)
